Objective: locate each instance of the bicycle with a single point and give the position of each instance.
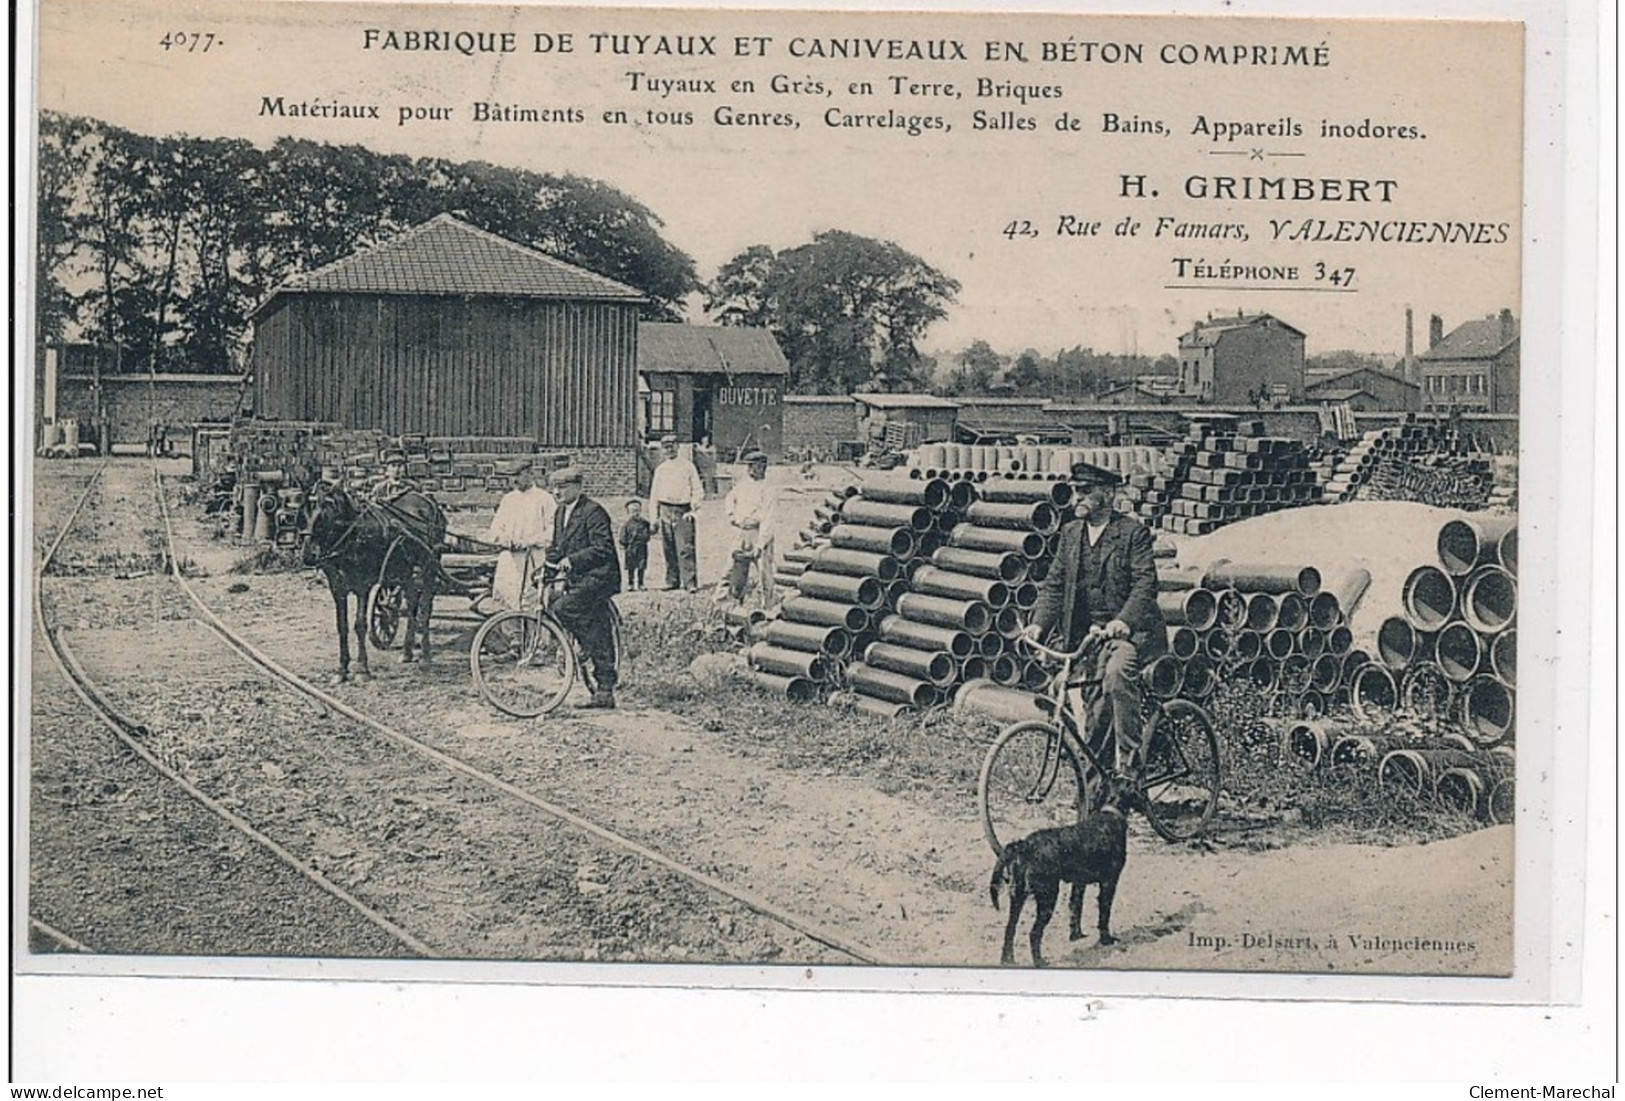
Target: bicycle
(525, 662)
(1041, 772)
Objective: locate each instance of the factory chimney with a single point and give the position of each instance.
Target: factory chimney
(1408, 371)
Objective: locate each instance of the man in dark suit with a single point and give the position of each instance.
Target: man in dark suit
(1104, 581)
(583, 553)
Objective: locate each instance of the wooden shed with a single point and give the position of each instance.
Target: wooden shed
(449, 331)
(718, 382)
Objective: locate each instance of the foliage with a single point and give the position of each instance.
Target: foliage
(161, 247)
(1072, 372)
(847, 310)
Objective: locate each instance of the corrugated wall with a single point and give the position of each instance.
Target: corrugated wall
(563, 373)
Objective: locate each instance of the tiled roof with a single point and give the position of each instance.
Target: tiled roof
(905, 401)
(1207, 333)
(708, 349)
(446, 256)
(1350, 375)
(1338, 395)
(1480, 339)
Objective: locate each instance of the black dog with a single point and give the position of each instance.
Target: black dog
(1093, 851)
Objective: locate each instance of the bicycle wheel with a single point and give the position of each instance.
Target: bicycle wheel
(1181, 783)
(1031, 779)
(523, 664)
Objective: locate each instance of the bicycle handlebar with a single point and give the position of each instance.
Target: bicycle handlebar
(1091, 640)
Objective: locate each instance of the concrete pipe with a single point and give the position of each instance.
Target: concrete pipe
(1244, 645)
(992, 644)
(1429, 598)
(936, 581)
(1183, 642)
(1311, 741)
(887, 685)
(1506, 551)
(936, 666)
(1006, 566)
(251, 508)
(1291, 611)
(897, 542)
(895, 591)
(859, 510)
(926, 636)
(794, 689)
(824, 613)
(1279, 644)
(1326, 673)
(1324, 614)
(1217, 645)
(1249, 577)
(1488, 710)
(1490, 599)
(973, 668)
(1261, 672)
(882, 709)
(1024, 596)
(1201, 678)
(1164, 676)
(1034, 677)
(1015, 491)
(1312, 703)
(1231, 610)
(1501, 805)
(834, 642)
(1197, 609)
(787, 663)
(966, 615)
(1003, 705)
(1037, 570)
(1262, 610)
(1465, 790)
(934, 455)
(1352, 662)
(1295, 672)
(856, 563)
(1339, 640)
(866, 592)
(1416, 770)
(744, 617)
(1373, 692)
(1175, 579)
(1504, 656)
(1396, 642)
(1310, 642)
(1008, 623)
(933, 493)
(803, 555)
(1039, 516)
(1465, 544)
(1029, 544)
(1458, 652)
(960, 494)
(1005, 670)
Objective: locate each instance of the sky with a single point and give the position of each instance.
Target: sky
(1444, 98)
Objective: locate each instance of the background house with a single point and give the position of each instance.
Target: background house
(1366, 388)
(1474, 368)
(712, 382)
(448, 331)
(1231, 360)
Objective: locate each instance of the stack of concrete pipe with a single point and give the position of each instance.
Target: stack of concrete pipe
(982, 461)
(1275, 626)
(1226, 469)
(1426, 461)
(1452, 655)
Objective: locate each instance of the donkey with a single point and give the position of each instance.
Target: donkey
(349, 540)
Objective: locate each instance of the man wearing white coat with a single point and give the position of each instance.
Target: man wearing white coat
(523, 527)
(751, 506)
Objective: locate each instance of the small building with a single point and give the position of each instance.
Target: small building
(1241, 360)
(1366, 389)
(817, 425)
(719, 383)
(984, 420)
(905, 420)
(1474, 368)
(449, 331)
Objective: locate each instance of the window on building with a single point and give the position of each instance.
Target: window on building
(1483, 384)
(661, 412)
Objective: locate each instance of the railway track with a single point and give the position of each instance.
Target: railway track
(137, 738)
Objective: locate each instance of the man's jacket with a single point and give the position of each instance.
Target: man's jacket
(587, 539)
(1130, 585)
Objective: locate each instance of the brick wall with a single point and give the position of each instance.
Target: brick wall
(611, 472)
(134, 403)
(818, 423)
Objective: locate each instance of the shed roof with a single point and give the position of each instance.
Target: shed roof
(1339, 395)
(1349, 375)
(905, 401)
(447, 256)
(674, 347)
(1210, 332)
(1482, 338)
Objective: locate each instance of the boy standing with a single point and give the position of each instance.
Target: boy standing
(635, 535)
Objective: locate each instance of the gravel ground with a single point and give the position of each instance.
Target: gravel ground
(866, 828)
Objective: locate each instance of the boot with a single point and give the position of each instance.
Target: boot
(601, 700)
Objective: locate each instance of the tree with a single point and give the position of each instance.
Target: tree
(847, 310)
(976, 367)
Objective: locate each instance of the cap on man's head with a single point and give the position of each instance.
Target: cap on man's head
(752, 457)
(394, 457)
(332, 472)
(1088, 474)
(515, 467)
(569, 475)
(667, 440)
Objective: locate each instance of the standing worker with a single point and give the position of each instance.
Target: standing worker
(674, 493)
(583, 554)
(522, 527)
(750, 506)
(1104, 581)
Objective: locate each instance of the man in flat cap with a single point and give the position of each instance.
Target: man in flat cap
(674, 493)
(1104, 581)
(583, 553)
(750, 506)
(523, 527)
(392, 482)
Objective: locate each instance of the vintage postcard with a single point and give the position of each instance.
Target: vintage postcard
(560, 490)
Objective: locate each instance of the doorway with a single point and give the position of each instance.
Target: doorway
(702, 427)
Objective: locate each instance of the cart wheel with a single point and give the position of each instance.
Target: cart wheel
(385, 606)
(524, 665)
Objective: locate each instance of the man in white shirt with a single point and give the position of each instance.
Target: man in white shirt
(674, 493)
(750, 506)
(523, 526)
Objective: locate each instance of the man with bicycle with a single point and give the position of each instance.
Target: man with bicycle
(583, 555)
(1104, 582)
